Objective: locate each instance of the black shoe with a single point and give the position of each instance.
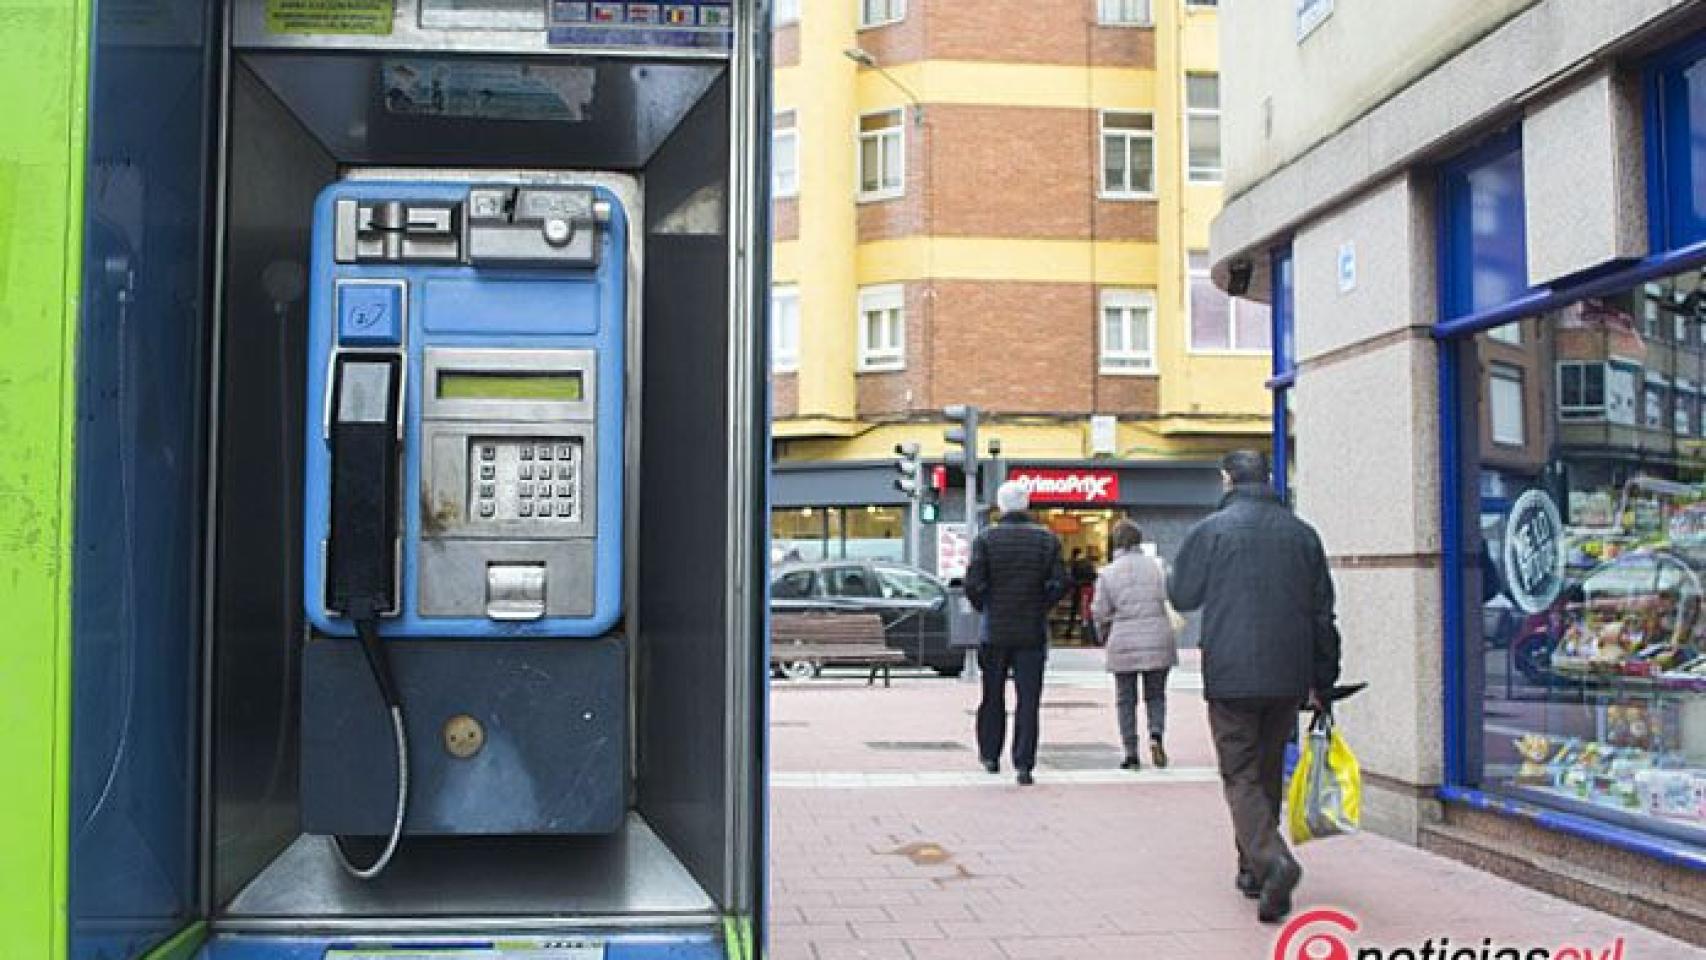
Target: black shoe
(1131, 763)
(1248, 885)
(1275, 900)
(1025, 778)
(992, 766)
(1157, 753)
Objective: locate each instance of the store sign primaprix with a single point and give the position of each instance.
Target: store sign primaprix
(1069, 486)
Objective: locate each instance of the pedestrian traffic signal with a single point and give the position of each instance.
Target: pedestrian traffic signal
(907, 468)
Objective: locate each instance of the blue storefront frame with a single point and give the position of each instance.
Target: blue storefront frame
(1677, 243)
(1284, 316)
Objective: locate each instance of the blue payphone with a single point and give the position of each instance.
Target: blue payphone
(465, 475)
(503, 308)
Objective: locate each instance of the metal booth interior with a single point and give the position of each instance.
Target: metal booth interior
(226, 131)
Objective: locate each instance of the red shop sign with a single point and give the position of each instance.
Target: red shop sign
(1069, 486)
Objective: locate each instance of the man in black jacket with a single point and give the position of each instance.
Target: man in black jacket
(1269, 644)
(1016, 576)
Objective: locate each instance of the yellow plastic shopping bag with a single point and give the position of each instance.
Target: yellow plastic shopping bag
(1326, 788)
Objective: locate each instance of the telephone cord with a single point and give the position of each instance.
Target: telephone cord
(373, 647)
(378, 866)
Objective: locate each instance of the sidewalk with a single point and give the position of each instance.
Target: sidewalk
(887, 840)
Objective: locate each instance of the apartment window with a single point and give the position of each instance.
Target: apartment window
(1510, 333)
(1684, 410)
(1123, 13)
(1128, 155)
(882, 155)
(787, 11)
(785, 155)
(1654, 409)
(1581, 391)
(1504, 399)
(1202, 126)
(1128, 331)
(875, 13)
(784, 328)
(1222, 324)
(882, 328)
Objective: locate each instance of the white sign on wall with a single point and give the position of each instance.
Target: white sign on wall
(1103, 435)
(1311, 14)
(953, 551)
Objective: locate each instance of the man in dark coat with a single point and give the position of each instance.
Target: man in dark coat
(1016, 576)
(1269, 644)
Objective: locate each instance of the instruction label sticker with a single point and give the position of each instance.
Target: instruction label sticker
(703, 24)
(365, 17)
(488, 91)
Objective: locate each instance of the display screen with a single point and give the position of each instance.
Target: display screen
(497, 385)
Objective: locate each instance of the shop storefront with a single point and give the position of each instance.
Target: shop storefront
(837, 511)
(853, 511)
(1574, 473)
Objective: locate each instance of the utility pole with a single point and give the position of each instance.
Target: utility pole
(962, 452)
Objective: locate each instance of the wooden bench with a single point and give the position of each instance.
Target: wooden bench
(810, 641)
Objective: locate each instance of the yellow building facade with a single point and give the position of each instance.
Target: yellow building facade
(998, 204)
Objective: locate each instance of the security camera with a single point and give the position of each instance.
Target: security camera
(1238, 277)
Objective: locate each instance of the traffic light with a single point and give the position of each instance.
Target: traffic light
(963, 436)
(906, 468)
(962, 453)
(930, 499)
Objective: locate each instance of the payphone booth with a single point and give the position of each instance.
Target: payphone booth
(416, 598)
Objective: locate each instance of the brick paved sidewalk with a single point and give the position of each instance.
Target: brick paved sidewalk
(906, 850)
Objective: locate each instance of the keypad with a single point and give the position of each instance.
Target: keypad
(524, 479)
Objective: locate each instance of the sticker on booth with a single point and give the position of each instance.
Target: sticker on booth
(1534, 552)
(365, 17)
(703, 24)
(483, 90)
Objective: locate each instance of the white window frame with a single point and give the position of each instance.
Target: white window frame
(898, 131)
(1192, 274)
(1129, 302)
(891, 355)
(786, 12)
(1127, 136)
(1508, 333)
(778, 189)
(1578, 412)
(785, 328)
(1683, 412)
(1655, 382)
(1191, 173)
(1504, 373)
(896, 13)
(1111, 13)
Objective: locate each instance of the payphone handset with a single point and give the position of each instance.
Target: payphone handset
(483, 326)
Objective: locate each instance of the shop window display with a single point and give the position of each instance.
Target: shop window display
(1592, 557)
(838, 533)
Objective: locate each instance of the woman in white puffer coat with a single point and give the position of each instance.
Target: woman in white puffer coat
(1136, 626)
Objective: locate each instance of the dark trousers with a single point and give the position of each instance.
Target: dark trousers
(1154, 684)
(1249, 740)
(1026, 665)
